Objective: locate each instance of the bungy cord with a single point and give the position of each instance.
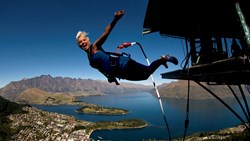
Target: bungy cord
(157, 92)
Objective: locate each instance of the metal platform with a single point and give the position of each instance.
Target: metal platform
(233, 71)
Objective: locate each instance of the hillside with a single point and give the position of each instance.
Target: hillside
(37, 96)
(78, 86)
(7, 108)
(179, 89)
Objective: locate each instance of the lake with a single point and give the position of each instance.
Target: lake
(204, 115)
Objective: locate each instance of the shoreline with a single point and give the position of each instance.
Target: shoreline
(92, 130)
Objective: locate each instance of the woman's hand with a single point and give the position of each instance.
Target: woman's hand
(119, 14)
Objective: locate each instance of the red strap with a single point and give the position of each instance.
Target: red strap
(118, 49)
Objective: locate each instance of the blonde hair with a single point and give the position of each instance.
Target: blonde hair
(81, 33)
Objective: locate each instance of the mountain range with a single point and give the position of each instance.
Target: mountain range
(180, 89)
(68, 85)
(45, 84)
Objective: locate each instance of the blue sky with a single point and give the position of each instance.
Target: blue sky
(37, 37)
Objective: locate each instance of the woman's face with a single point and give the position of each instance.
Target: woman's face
(83, 42)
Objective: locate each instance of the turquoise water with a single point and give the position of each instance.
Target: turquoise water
(204, 115)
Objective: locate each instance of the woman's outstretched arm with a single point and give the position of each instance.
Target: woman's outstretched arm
(98, 43)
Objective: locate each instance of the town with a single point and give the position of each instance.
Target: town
(41, 125)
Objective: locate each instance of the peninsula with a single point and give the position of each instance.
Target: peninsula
(95, 109)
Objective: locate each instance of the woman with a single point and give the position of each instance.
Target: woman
(122, 67)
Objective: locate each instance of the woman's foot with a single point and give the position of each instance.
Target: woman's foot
(169, 58)
(165, 64)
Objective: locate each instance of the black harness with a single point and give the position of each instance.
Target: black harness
(113, 63)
